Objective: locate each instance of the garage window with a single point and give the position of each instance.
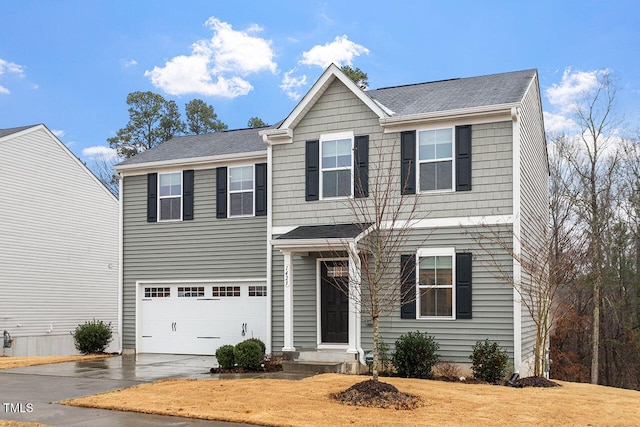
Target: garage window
(190, 291)
(156, 292)
(257, 291)
(226, 291)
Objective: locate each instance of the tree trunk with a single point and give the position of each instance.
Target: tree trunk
(376, 348)
(595, 334)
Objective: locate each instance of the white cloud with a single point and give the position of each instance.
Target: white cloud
(290, 85)
(128, 63)
(12, 68)
(100, 152)
(218, 66)
(58, 133)
(556, 123)
(340, 51)
(573, 86)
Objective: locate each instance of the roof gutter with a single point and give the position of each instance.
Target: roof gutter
(395, 124)
(193, 161)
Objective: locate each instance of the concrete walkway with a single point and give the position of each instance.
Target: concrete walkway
(29, 394)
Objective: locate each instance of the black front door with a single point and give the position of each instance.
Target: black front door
(334, 301)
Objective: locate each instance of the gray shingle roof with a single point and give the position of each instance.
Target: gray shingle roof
(494, 89)
(9, 131)
(207, 145)
(335, 231)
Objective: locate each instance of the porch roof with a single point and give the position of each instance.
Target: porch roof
(320, 236)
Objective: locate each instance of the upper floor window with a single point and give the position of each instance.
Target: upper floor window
(336, 151)
(435, 158)
(435, 283)
(170, 196)
(241, 190)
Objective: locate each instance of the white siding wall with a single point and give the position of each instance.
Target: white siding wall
(58, 245)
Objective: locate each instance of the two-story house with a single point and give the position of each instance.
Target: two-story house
(245, 233)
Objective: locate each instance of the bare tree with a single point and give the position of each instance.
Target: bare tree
(385, 217)
(546, 265)
(102, 168)
(593, 160)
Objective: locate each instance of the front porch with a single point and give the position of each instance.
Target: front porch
(329, 272)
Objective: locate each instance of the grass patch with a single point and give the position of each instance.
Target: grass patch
(308, 403)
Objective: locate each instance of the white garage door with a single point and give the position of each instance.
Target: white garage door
(197, 318)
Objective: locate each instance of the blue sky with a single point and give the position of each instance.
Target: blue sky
(71, 64)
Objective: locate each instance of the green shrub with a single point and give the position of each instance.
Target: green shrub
(489, 361)
(226, 356)
(415, 355)
(92, 337)
(260, 343)
(248, 355)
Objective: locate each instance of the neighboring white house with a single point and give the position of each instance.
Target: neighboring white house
(58, 245)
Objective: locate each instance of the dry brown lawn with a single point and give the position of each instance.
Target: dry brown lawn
(19, 362)
(18, 424)
(306, 403)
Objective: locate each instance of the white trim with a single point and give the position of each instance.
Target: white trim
(473, 115)
(419, 162)
(120, 263)
(269, 337)
(310, 245)
(253, 190)
(199, 281)
(517, 270)
(336, 137)
(430, 252)
(319, 87)
(320, 344)
(288, 301)
(277, 231)
(461, 221)
(195, 163)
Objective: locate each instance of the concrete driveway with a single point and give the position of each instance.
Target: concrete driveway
(29, 394)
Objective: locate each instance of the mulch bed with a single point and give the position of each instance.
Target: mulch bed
(377, 394)
(536, 382)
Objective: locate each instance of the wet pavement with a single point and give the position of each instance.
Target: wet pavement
(30, 394)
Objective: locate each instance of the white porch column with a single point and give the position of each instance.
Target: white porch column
(288, 302)
(354, 299)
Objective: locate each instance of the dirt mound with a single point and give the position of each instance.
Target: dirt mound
(377, 394)
(536, 382)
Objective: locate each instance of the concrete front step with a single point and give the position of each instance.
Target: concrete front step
(309, 367)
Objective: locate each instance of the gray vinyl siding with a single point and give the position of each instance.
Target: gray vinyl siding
(205, 248)
(59, 251)
(339, 110)
(492, 299)
(534, 198)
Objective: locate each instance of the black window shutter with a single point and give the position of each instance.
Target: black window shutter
(463, 158)
(408, 157)
(408, 287)
(463, 285)
(187, 193)
(312, 178)
(152, 197)
(221, 192)
(361, 166)
(261, 189)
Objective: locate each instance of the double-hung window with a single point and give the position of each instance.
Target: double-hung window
(241, 190)
(436, 270)
(435, 158)
(170, 196)
(336, 151)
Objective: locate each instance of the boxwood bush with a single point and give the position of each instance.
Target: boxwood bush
(415, 355)
(489, 362)
(226, 356)
(92, 337)
(248, 354)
